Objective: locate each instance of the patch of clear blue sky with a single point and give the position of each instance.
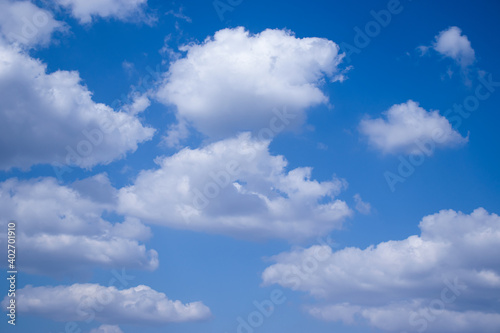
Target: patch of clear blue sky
(225, 273)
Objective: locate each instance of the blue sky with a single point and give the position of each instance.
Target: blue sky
(181, 167)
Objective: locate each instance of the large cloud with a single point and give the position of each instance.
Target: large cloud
(61, 230)
(235, 186)
(49, 118)
(24, 23)
(451, 43)
(446, 279)
(125, 10)
(232, 82)
(84, 302)
(408, 128)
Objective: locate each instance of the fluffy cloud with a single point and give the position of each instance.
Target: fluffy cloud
(81, 302)
(446, 279)
(232, 82)
(51, 118)
(24, 23)
(125, 10)
(408, 128)
(61, 231)
(451, 43)
(235, 186)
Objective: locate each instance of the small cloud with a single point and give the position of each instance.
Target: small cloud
(86, 12)
(361, 206)
(139, 103)
(179, 14)
(423, 49)
(451, 43)
(175, 135)
(321, 146)
(410, 129)
(449, 72)
(128, 67)
(107, 329)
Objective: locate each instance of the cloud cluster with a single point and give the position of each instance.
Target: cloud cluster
(236, 187)
(231, 82)
(109, 305)
(125, 10)
(408, 128)
(51, 118)
(61, 229)
(446, 279)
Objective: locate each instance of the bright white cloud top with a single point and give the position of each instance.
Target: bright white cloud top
(26, 24)
(453, 44)
(65, 125)
(236, 187)
(448, 277)
(232, 81)
(410, 129)
(109, 305)
(87, 11)
(62, 231)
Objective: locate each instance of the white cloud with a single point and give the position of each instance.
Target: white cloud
(125, 10)
(62, 232)
(175, 134)
(451, 43)
(138, 104)
(26, 24)
(49, 118)
(80, 302)
(408, 128)
(179, 14)
(450, 273)
(231, 83)
(361, 206)
(413, 317)
(236, 187)
(107, 329)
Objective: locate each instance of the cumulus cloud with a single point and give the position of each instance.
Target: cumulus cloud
(26, 24)
(232, 81)
(125, 10)
(446, 279)
(62, 232)
(109, 305)
(410, 129)
(107, 329)
(51, 118)
(451, 43)
(236, 187)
